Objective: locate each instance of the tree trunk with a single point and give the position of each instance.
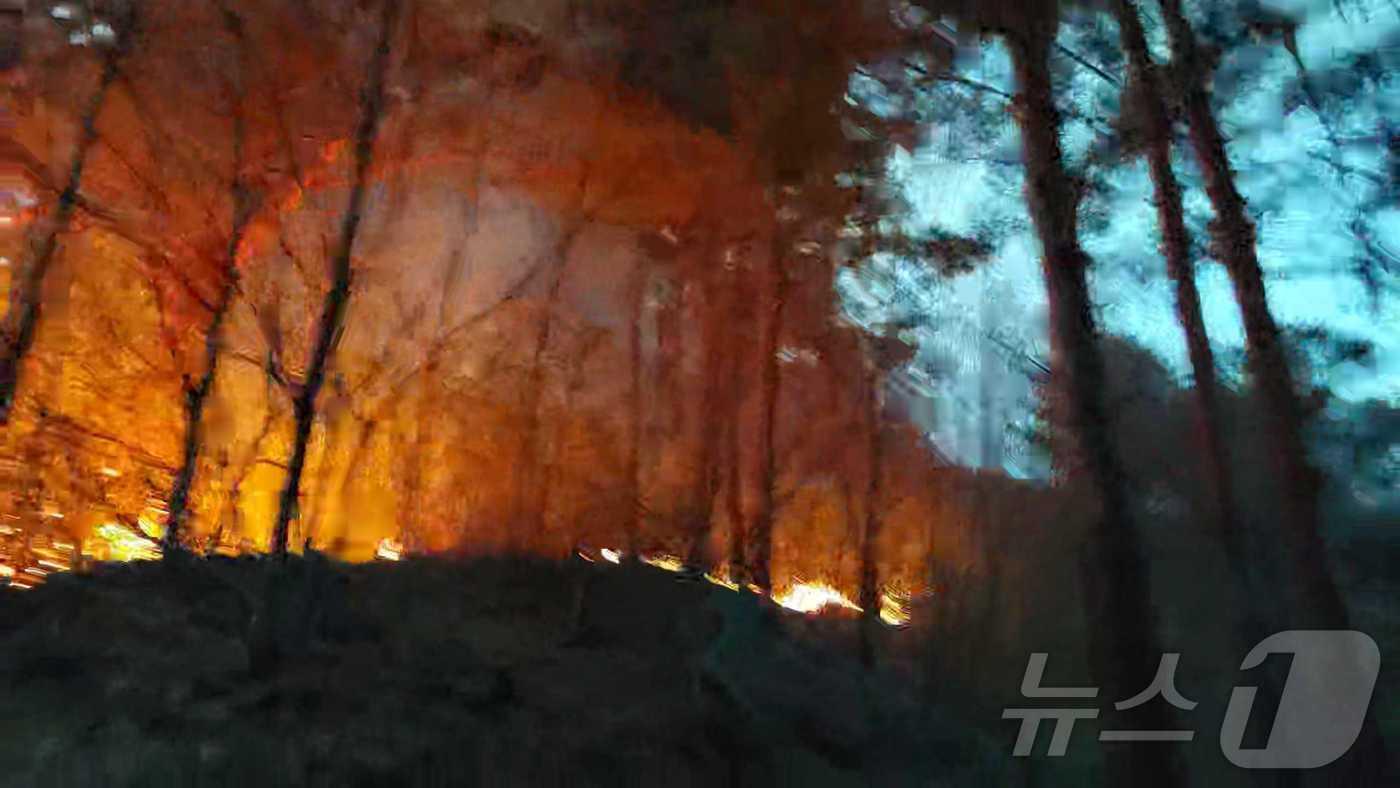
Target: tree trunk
(26, 300)
(1234, 246)
(761, 531)
(870, 535)
(1176, 243)
(1123, 647)
(712, 411)
(734, 447)
(636, 297)
(244, 205)
(333, 309)
(1317, 602)
(196, 397)
(1176, 248)
(733, 495)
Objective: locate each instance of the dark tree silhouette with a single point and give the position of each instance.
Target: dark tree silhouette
(1234, 245)
(736, 314)
(26, 300)
(712, 410)
(1316, 602)
(636, 310)
(869, 594)
(338, 298)
(1123, 642)
(1145, 99)
(760, 530)
(244, 204)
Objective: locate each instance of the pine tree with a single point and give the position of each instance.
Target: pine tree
(1316, 601)
(1123, 647)
(1146, 99)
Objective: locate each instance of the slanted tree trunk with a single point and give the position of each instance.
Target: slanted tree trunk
(26, 299)
(870, 535)
(1123, 647)
(244, 205)
(1176, 248)
(733, 494)
(1234, 246)
(636, 297)
(712, 411)
(333, 309)
(1316, 601)
(734, 445)
(760, 532)
(197, 396)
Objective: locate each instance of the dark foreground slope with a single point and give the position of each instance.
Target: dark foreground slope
(491, 672)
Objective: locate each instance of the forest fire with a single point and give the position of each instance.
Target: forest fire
(371, 322)
(233, 443)
(664, 561)
(894, 608)
(35, 556)
(805, 597)
(389, 549)
(116, 542)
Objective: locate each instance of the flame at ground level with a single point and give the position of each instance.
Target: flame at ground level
(801, 597)
(813, 598)
(389, 550)
(114, 541)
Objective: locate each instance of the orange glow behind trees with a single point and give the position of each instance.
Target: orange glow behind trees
(507, 154)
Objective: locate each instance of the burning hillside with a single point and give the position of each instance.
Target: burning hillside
(548, 338)
(701, 391)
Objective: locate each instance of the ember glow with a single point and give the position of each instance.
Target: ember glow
(113, 541)
(792, 302)
(389, 550)
(116, 542)
(721, 577)
(894, 608)
(669, 563)
(806, 597)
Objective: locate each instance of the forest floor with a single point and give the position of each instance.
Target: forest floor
(438, 672)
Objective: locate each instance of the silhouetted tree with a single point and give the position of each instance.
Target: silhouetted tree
(338, 297)
(1123, 647)
(26, 299)
(636, 428)
(872, 388)
(244, 203)
(1317, 601)
(760, 530)
(1145, 99)
(708, 458)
